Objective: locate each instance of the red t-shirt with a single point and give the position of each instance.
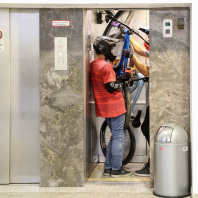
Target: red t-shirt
(107, 105)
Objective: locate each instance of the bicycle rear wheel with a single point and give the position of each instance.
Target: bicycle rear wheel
(123, 16)
(129, 142)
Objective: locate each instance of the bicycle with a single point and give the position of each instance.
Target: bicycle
(105, 134)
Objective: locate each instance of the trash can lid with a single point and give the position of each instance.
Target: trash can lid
(171, 133)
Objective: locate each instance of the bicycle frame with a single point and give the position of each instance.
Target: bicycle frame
(124, 60)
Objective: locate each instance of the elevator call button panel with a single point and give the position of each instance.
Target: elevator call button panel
(60, 50)
(167, 28)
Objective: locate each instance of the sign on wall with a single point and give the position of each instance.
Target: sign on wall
(60, 23)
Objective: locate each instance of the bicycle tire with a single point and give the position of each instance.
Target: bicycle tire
(127, 98)
(109, 29)
(128, 155)
(126, 20)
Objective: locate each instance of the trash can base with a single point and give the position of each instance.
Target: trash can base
(170, 196)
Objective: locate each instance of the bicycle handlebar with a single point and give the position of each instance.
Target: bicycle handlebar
(130, 30)
(137, 79)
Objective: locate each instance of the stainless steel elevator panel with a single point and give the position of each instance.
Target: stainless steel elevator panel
(4, 97)
(24, 141)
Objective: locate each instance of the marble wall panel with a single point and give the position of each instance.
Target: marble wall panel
(61, 102)
(169, 73)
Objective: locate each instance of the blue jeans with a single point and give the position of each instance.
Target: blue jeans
(116, 144)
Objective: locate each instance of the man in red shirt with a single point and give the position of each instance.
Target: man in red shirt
(109, 102)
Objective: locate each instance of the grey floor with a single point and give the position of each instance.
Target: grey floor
(97, 186)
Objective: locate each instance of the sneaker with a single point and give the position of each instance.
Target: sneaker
(107, 172)
(120, 173)
(144, 172)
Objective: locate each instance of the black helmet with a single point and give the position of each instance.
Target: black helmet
(104, 45)
(145, 30)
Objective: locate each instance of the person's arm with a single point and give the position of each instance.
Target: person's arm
(138, 48)
(113, 86)
(141, 67)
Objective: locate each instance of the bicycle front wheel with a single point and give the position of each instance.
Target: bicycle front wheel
(129, 142)
(123, 16)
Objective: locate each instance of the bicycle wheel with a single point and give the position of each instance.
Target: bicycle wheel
(123, 16)
(127, 97)
(129, 142)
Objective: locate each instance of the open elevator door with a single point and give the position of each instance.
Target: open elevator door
(96, 28)
(22, 142)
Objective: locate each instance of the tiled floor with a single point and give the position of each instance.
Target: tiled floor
(90, 190)
(97, 186)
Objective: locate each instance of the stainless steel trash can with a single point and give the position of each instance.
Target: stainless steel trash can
(171, 177)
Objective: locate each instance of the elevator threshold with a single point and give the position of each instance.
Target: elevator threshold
(97, 174)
